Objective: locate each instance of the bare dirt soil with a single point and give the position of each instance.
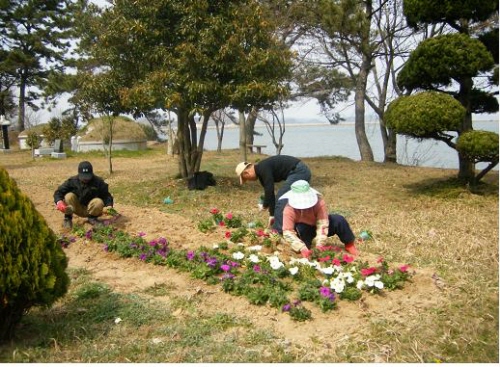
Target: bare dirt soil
(349, 322)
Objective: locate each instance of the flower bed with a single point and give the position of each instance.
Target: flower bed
(246, 263)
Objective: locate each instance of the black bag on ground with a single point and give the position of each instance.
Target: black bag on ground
(201, 180)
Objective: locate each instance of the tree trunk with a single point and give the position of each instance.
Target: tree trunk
(250, 125)
(22, 98)
(243, 136)
(183, 142)
(465, 165)
(365, 149)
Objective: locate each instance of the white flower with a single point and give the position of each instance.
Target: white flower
(338, 268)
(118, 320)
(238, 255)
(255, 248)
(348, 277)
(254, 258)
(293, 270)
(378, 284)
(328, 271)
(275, 262)
(360, 284)
(215, 246)
(370, 280)
(337, 284)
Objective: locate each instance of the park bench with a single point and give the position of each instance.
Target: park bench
(257, 147)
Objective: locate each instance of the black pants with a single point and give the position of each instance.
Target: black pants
(300, 172)
(338, 225)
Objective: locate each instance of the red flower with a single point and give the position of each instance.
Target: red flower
(348, 259)
(369, 271)
(221, 223)
(324, 259)
(336, 262)
(229, 216)
(214, 211)
(227, 234)
(261, 233)
(380, 260)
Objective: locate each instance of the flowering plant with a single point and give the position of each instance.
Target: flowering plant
(328, 276)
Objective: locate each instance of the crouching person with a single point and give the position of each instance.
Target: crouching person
(84, 194)
(306, 221)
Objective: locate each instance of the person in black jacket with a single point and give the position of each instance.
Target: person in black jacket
(268, 171)
(85, 195)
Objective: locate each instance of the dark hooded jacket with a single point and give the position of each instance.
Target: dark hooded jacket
(95, 188)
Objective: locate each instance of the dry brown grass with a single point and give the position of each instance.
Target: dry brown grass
(420, 216)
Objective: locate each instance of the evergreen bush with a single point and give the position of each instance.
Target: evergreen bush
(32, 263)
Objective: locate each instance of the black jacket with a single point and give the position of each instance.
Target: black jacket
(95, 188)
(273, 169)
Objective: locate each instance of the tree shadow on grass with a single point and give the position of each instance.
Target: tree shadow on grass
(452, 188)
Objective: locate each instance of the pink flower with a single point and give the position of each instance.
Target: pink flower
(260, 233)
(227, 234)
(225, 267)
(229, 216)
(404, 268)
(369, 271)
(380, 260)
(214, 211)
(324, 259)
(221, 223)
(348, 259)
(336, 262)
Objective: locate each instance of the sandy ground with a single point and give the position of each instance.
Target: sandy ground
(350, 322)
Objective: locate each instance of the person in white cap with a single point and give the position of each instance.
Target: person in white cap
(269, 171)
(306, 221)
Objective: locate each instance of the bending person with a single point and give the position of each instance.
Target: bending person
(269, 171)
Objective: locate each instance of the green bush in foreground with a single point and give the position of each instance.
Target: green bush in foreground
(32, 262)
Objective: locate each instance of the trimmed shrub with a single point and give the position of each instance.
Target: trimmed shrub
(32, 263)
(479, 145)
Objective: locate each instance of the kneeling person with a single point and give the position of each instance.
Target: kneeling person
(305, 219)
(85, 195)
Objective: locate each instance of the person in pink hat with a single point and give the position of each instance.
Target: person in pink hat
(306, 221)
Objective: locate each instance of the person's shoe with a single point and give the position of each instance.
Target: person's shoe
(94, 221)
(69, 210)
(350, 248)
(68, 223)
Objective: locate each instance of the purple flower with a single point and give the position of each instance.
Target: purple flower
(105, 248)
(162, 252)
(153, 243)
(141, 234)
(211, 262)
(286, 307)
(88, 234)
(234, 264)
(162, 241)
(256, 268)
(142, 257)
(190, 255)
(226, 276)
(133, 245)
(225, 268)
(325, 292)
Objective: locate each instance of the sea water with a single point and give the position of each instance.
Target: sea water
(316, 140)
